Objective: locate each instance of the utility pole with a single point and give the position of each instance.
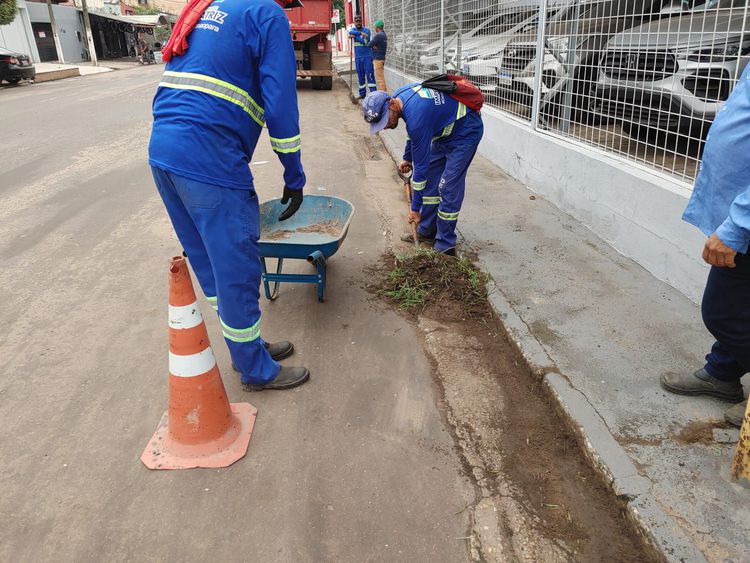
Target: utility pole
(89, 37)
(52, 22)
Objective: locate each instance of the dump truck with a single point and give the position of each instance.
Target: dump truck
(310, 27)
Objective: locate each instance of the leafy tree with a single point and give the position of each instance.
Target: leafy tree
(140, 11)
(7, 11)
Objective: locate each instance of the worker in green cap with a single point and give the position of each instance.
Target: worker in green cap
(379, 45)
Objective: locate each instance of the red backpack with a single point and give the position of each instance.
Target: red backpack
(457, 87)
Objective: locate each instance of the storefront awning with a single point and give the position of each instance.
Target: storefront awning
(140, 21)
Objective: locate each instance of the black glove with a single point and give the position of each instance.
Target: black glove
(296, 197)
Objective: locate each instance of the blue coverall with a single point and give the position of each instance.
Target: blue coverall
(363, 60)
(443, 139)
(238, 74)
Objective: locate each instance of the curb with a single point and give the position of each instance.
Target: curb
(57, 74)
(602, 450)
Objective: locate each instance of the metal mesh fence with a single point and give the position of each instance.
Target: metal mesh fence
(642, 79)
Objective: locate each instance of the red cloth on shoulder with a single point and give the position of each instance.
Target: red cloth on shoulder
(189, 18)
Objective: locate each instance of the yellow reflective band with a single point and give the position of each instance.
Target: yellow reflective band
(418, 186)
(213, 302)
(240, 334)
(461, 111)
(288, 145)
(431, 200)
(214, 87)
(447, 216)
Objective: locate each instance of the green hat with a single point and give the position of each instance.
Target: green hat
(379, 23)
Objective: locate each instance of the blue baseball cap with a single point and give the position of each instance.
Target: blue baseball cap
(375, 110)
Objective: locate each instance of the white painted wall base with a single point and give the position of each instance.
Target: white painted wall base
(635, 211)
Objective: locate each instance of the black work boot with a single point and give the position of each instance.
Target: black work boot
(702, 383)
(288, 378)
(736, 414)
(449, 252)
(278, 351)
(421, 238)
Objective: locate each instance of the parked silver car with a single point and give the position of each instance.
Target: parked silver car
(673, 75)
(574, 39)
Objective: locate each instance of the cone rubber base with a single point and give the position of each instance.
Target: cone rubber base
(163, 452)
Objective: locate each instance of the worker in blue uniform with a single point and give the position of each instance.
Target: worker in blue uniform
(214, 99)
(443, 135)
(363, 57)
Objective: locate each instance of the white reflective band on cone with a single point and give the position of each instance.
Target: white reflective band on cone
(193, 365)
(185, 317)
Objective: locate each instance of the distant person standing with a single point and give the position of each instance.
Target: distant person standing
(362, 57)
(379, 46)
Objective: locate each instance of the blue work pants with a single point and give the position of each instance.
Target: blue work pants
(365, 75)
(726, 314)
(443, 194)
(219, 229)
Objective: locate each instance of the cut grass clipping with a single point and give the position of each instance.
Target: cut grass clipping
(426, 278)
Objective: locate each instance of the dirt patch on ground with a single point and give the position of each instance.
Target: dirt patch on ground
(540, 458)
(699, 431)
(332, 228)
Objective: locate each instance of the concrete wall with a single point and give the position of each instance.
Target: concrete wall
(18, 36)
(634, 210)
(68, 23)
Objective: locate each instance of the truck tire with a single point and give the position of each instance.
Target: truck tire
(322, 82)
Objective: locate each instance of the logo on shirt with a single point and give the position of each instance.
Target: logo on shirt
(213, 14)
(438, 97)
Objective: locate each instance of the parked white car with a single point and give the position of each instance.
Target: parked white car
(673, 76)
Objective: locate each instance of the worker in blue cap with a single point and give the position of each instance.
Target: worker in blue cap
(443, 135)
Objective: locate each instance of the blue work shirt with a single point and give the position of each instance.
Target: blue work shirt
(429, 115)
(721, 197)
(379, 45)
(238, 74)
(361, 42)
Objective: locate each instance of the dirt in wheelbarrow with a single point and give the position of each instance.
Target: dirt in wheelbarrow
(549, 503)
(332, 228)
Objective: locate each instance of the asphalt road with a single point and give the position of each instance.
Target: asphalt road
(357, 465)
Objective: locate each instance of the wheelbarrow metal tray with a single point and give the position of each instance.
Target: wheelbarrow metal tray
(286, 240)
(314, 234)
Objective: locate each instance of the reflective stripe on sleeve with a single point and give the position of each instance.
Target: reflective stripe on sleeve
(185, 317)
(288, 145)
(431, 200)
(213, 302)
(214, 87)
(241, 334)
(461, 111)
(192, 365)
(418, 186)
(448, 216)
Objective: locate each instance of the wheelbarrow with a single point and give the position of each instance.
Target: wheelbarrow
(314, 234)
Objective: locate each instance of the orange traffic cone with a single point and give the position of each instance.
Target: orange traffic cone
(201, 428)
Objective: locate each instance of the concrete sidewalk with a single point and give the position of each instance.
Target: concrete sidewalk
(575, 305)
